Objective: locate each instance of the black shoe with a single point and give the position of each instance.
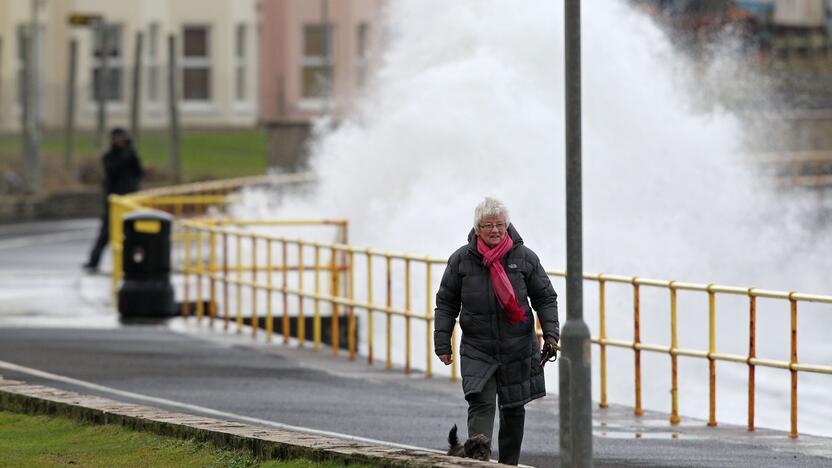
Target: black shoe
(90, 267)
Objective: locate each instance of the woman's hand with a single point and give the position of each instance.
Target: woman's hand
(446, 359)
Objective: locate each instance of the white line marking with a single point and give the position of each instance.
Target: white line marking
(201, 409)
(40, 239)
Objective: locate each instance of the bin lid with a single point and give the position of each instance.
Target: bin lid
(154, 215)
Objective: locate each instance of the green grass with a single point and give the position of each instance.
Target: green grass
(40, 441)
(206, 154)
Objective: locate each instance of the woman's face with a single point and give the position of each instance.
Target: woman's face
(492, 229)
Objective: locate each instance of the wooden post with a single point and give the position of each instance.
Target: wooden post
(173, 108)
(135, 102)
(69, 134)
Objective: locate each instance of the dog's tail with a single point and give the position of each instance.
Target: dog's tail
(452, 438)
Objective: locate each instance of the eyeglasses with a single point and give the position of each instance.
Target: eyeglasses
(490, 226)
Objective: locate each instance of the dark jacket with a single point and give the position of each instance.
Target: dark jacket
(489, 342)
(122, 170)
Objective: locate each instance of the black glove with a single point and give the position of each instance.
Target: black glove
(549, 353)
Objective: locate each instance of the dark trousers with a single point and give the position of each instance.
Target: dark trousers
(102, 239)
(481, 408)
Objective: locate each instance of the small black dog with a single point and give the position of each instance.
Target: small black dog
(477, 447)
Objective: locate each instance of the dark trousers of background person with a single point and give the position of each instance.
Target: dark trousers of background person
(103, 237)
(481, 408)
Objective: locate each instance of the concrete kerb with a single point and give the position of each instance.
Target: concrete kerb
(264, 443)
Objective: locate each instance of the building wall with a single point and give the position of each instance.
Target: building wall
(222, 18)
(282, 26)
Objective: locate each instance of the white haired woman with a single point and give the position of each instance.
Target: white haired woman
(488, 283)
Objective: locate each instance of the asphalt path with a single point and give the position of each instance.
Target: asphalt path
(54, 319)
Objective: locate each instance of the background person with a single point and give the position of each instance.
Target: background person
(122, 174)
(488, 283)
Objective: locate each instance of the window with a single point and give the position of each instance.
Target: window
(196, 64)
(153, 63)
(362, 58)
(108, 40)
(317, 61)
(240, 37)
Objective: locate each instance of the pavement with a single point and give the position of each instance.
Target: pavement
(57, 328)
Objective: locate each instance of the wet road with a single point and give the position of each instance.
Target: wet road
(56, 319)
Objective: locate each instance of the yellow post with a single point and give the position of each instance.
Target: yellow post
(792, 363)
(301, 318)
(407, 315)
(186, 269)
(351, 310)
(636, 341)
(389, 364)
(335, 331)
(212, 305)
(269, 285)
(255, 319)
(239, 289)
(602, 320)
(317, 322)
(284, 270)
(370, 310)
(752, 353)
(674, 369)
(428, 317)
(225, 304)
(711, 351)
(200, 272)
(116, 232)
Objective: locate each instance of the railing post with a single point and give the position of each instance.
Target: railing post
(225, 279)
(370, 311)
(602, 320)
(239, 290)
(674, 369)
(752, 353)
(454, 357)
(255, 318)
(285, 283)
(351, 309)
(212, 305)
(200, 272)
(317, 322)
(186, 269)
(389, 261)
(269, 286)
(301, 317)
(334, 326)
(428, 318)
(792, 363)
(407, 314)
(636, 342)
(711, 351)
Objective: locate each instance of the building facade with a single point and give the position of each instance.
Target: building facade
(216, 54)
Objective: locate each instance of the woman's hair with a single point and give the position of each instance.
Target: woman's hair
(489, 207)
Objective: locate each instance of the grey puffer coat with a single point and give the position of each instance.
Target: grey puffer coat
(490, 344)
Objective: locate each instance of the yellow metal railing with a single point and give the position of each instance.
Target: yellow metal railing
(220, 256)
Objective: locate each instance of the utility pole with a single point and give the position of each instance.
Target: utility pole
(69, 135)
(33, 123)
(135, 104)
(575, 389)
(103, 88)
(173, 109)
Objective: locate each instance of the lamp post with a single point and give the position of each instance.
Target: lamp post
(574, 370)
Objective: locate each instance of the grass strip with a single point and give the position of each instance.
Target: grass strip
(42, 441)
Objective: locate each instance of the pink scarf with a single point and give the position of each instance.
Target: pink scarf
(493, 260)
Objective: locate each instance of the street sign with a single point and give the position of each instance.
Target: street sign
(79, 19)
